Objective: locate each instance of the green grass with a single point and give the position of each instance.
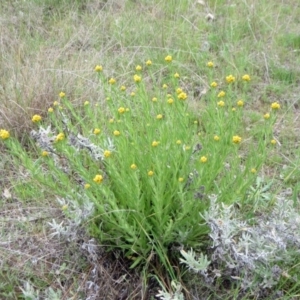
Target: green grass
(53, 46)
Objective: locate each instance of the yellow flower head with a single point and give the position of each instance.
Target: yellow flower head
(275, 105)
(55, 103)
(186, 148)
(230, 79)
(221, 94)
(97, 131)
(87, 186)
(253, 171)
(154, 99)
(216, 138)
(168, 58)
(50, 109)
(36, 118)
(213, 84)
(60, 137)
(180, 179)
(233, 109)
(138, 68)
(148, 62)
(86, 103)
(240, 103)
(133, 167)
(117, 133)
(236, 139)
(64, 207)
(121, 110)
(221, 103)
(182, 96)
(45, 153)
(179, 91)
(178, 142)
(159, 116)
(165, 86)
(123, 88)
(176, 75)
(267, 116)
(132, 94)
(203, 159)
(107, 153)
(4, 134)
(150, 173)
(210, 64)
(137, 78)
(112, 81)
(195, 122)
(170, 101)
(246, 77)
(98, 178)
(98, 68)
(111, 121)
(62, 95)
(155, 143)
(273, 142)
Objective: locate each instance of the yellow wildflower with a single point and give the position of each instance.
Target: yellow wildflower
(112, 81)
(253, 171)
(121, 110)
(64, 207)
(273, 142)
(186, 148)
(117, 133)
(267, 116)
(216, 138)
(4, 134)
(50, 109)
(148, 62)
(132, 94)
(45, 153)
(133, 166)
(275, 105)
(179, 91)
(221, 103)
(97, 131)
(195, 122)
(170, 101)
(221, 94)
(210, 64)
(178, 142)
(246, 77)
(62, 95)
(180, 179)
(168, 58)
(150, 173)
(203, 159)
(137, 78)
(154, 99)
(240, 103)
(165, 86)
(98, 68)
(36, 118)
(111, 121)
(176, 75)
(138, 68)
(123, 88)
(55, 103)
(87, 186)
(107, 153)
(86, 103)
(155, 143)
(233, 109)
(230, 79)
(98, 178)
(60, 137)
(236, 139)
(182, 96)
(159, 116)
(213, 84)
